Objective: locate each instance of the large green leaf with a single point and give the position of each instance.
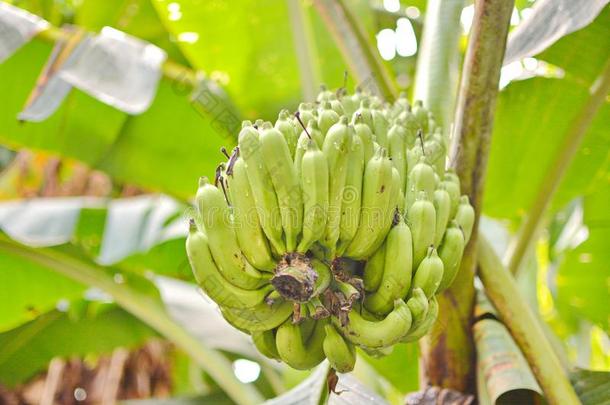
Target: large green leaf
(532, 118)
(26, 350)
(400, 368)
(64, 132)
(582, 279)
(30, 290)
(171, 145)
(583, 53)
(239, 42)
(591, 386)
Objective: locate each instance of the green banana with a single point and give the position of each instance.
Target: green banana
(314, 182)
(261, 186)
(442, 207)
(297, 352)
(324, 278)
(286, 126)
(450, 253)
(380, 127)
(425, 326)
(215, 216)
(285, 182)
(429, 273)
(373, 269)
(260, 317)
(401, 105)
(435, 155)
(376, 334)
(397, 152)
(315, 133)
(421, 178)
(418, 305)
(451, 183)
(352, 193)
(366, 136)
(211, 281)
(336, 105)
(336, 148)
(299, 152)
(250, 236)
(327, 117)
(350, 104)
(364, 114)
(374, 215)
(324, 94)
(306, 113)
(465, 217)
(421, 115)
(340, 353)
(422, 221)
(265, 343)
(396, 278)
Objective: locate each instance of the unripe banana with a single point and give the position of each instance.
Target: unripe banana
(376, 195)
(451, 183)
(395, 201)
(373, 270)
(435, 155)
(397, 152)
(366, 136)
(380, 127)
(314, 181)
(421, 178)
(350, 104)
(265, 343)
(306, 113)
(297, 352)
(396, 278)
(260, 317)
(364, 112)
(250, 235)
(465, 217)
(371, 334)
(211, 281)
(286, 126)
(340, 353)
(327, 117)
(401, 105)
(299, 152)
(442, 206)
(324, 94)
(216, 219)
(352, 193)
(422, 221)
(426, 325)
(450, 253)
(335, 149)
(262, 187)
(324, 278)
(285, 182)
(421, 114)
(336, 105)
(418, 305)
(429, 273)
(314, 131)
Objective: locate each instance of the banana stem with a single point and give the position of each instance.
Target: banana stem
(549, 185)
(518, 317)
(448, 352)
(144, 308)
(295, 278)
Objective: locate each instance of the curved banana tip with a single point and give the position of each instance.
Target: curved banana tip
(203, 181)
(192, 225)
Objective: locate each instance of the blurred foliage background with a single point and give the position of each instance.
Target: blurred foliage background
(95, 202)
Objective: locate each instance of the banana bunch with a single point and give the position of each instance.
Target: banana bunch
(332, 229)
